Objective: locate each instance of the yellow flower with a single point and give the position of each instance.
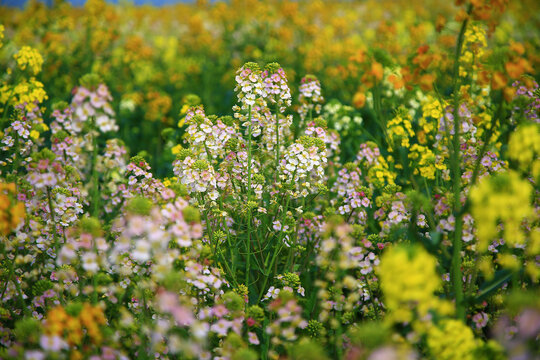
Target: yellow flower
(409, 281)
(524, 147)
(399, 130)
(176, 149)
(1, 35)
(474, 46)
(502, 198)
(452, 340)
(34, 134)
(29, 57)
(425, 161)
(28, 93)
(432, 108)
(508, 261)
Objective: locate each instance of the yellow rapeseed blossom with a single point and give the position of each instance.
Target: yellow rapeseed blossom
(474, 46)
(425, 161)
(524, 148)
(509, 261)
(502, 198)
(1, 35)
(432, 111)
(485, 265)
(409, 281)
(400, 130)
(176, 149)
(534, 243)
(26, 93)
(30, 58)
(380, 175)
(452, 340)
(433, 108)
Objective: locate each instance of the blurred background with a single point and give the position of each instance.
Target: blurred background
(21, 3)
(153, 57)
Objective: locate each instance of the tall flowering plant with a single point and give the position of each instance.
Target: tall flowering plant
(252, 181)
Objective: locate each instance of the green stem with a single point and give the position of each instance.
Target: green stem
(95, 196)
(276, 252)
(248, 200)
(457, 280)
(11, 270)
(17, 159)
(94, 292)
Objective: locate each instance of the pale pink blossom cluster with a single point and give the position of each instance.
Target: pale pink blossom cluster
(330, 138)
(198, 176)
(276, 87)
(288, 322)
(249, 85)
(17, 138)
(142, 182)
(369, 153)
(93, 104)
(303, 164)
(310, 96)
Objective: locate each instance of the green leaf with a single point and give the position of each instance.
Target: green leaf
(488, 288)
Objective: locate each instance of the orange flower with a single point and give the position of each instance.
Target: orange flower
(448, 40)
(396, 81)
(517, 47)
(483, 77)
(440, 23)
(509, 92)
(518, 68)
(426, 81)
(377, 70)
(498, 81)
(421, 136)
(358, 56)
(461, 15)
(407, 78)
(359, 100)
(423, 60)
(75, 355)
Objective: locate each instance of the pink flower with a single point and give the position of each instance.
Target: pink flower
(221, 327)
(253, 339)
(52, 343)
(220, 311)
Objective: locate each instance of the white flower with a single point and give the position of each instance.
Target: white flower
(141, 252)
(34, 355)
(89, 262)
(221, 327)
(52, 343)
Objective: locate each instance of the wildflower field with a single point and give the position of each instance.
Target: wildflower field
(270, 180)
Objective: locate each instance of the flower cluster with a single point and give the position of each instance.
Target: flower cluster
(524, 148)
(397, 221)
(452, 340)
(28, 57)
(310, 96)
(501, 199)
(91, 103)
(409, 282)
